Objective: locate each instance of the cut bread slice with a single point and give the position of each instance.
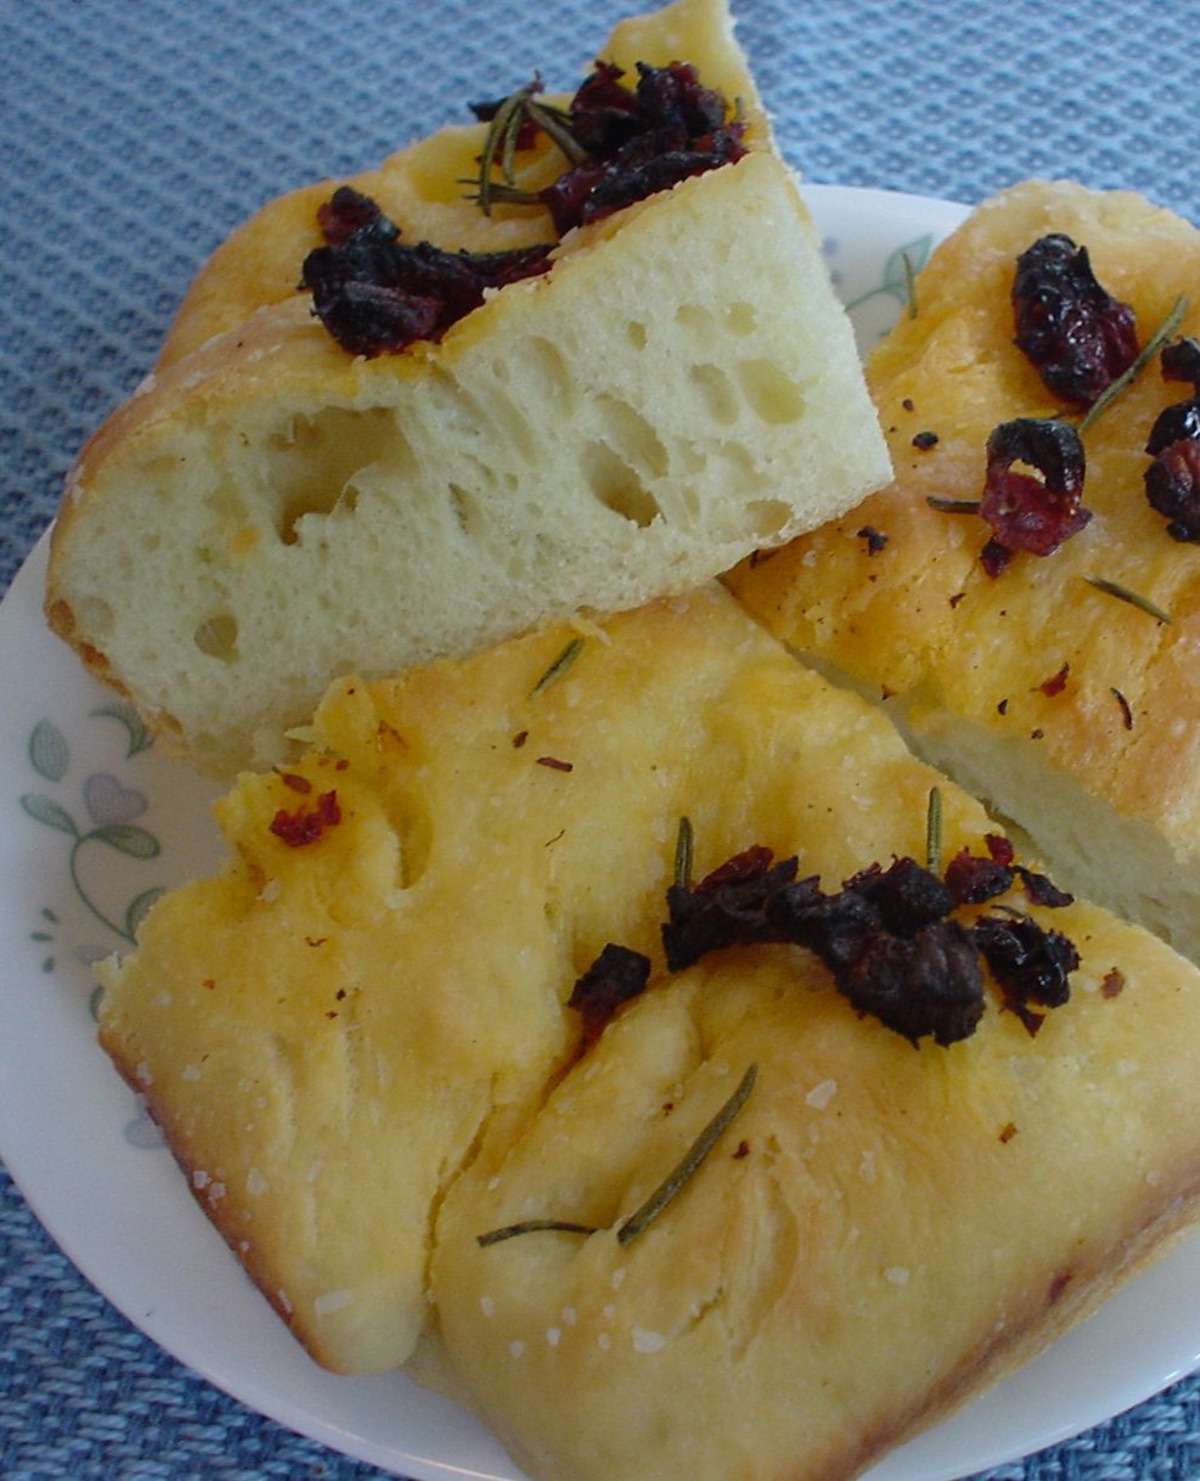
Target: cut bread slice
(1072, 712)
(358, 1039)
(271, 511)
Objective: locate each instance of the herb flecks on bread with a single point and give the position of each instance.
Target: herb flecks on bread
(1062, 688)
(679, 388)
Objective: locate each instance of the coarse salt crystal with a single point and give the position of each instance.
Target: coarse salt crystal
(897, 1274)
(332, 1301)
(516, 1347)
(487, 1306)
(645, 1341)
(553, 1335)
(820, 1095)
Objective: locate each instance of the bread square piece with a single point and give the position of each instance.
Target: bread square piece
(366, 1044)
(1064, 690)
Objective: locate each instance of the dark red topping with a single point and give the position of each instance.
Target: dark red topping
(639, 141)
(1032, 965)
(875, 540)
(617, 975)
(376, 294)
(1056, 683)
(972, 880)
(307, 825)
(1029, 513)
(1173, 489)
(1180, 361)
(1078, 337)
(1173, 478)
(727, 908)
(923, 441)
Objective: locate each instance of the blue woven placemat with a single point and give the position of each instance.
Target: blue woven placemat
(136, 135)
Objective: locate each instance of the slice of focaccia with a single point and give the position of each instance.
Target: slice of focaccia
(1064, 689)
(391, 1049)
(674, 387)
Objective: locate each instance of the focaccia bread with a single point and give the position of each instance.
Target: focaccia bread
(1064, 690)
(366, 1044)
(271, 510)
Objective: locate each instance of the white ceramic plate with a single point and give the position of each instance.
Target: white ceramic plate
(94, 822)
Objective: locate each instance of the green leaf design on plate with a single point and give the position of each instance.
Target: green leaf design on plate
(135, 842)
(139, 908)
(44, 810)
(48, 751)
(904, 264)
(140, 738)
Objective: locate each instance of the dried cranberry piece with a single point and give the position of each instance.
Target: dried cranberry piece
(926, 983)
(1030, 963)
(1180, 361)
(907, 897)
(376, 294)
(1173, 488)
(1178, 422)
(349, 212)
(1040, 889)
(618, 974)
(639, 141)
(972, 880)
(1078, 337)
(729, 907)
(1028, 513)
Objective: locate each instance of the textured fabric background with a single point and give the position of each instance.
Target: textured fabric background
(134, 134)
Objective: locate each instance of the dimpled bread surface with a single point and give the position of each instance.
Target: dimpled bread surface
(1075, 714)
(359, 1049)
(270, 511)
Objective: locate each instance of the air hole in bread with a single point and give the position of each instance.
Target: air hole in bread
(636, 334)
(767, 517)
(741, 319)
(721, 403)
(217, 636)
(700, 322)
(632, 436)
(773, 395)
(617, 485)
(314, 466)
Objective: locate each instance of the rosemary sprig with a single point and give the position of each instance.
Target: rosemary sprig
(559, 667)
(1123, 594)
(1110, 393)
(933, 832)
(679, 1177)
(531, 1226)
(501, 141)
(952, 506)
(683, 853)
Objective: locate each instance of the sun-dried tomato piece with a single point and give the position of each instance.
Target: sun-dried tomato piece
(1173, 488)
(307, 825)
(928, 983)
(1031, 964)
(618, 974)
(1028, 513)
(907, 896)
(376, 294)
(1040, 889)
(1078, 337)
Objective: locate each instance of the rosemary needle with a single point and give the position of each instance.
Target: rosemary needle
(559, 667)
(683, 853)
(1123, 594)
(933, 832)
(1164, 331)
(676, 1180)
(531, 1226)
